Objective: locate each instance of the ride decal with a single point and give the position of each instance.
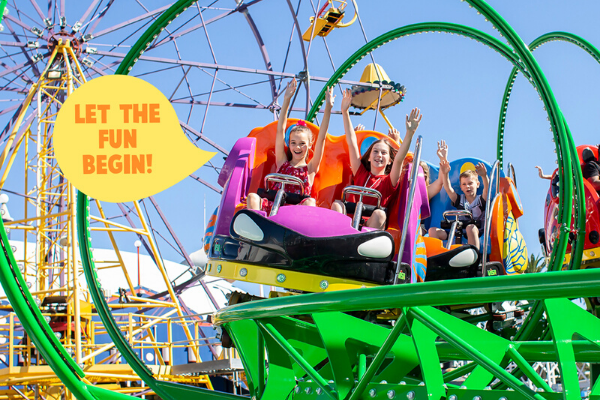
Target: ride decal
(117, 138)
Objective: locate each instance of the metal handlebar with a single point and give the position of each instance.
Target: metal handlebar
(362, 191)
(456, 213)
(411, 195)
(488, 206)
(511, 171)
(283, 179)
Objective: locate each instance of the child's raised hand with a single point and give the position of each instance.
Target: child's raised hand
(346, 100)
(290, 89)
(359, 127)
(540, 171)
(442, 151)
(445, 166)
(394, 134)
(480, 169)
(329, 97)
(412, 122)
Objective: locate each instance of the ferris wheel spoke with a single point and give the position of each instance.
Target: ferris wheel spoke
(165, 221)
(9, 126)
(93, 4)
(174, 36)
(99, 18)
(227, 104)
(98, 70)
(112, 47)
(212, 52)
(235, 88)
(16, 68)
(18, 22)
(289, 46)
(156, 71)
(131, 21)
(36, 72)
(201, 136)
(203, 65)
(38, 9)
(185, 72)
(208, 185)
(12, 44)
(20, 12)
(9, 109)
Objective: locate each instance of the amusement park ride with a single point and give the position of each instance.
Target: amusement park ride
(365, 315)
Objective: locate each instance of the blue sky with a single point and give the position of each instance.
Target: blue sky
(457, 83)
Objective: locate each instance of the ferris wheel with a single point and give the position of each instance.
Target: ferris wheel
(194, 59)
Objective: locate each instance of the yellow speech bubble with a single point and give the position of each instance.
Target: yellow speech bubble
(117, 138)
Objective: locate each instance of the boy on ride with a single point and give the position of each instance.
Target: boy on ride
(469, 200)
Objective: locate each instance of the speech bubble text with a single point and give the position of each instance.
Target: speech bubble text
(122, 147)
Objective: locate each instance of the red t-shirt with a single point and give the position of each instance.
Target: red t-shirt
(381, 183)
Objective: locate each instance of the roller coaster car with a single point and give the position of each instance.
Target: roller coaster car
(548, 234)
(304, 248)
(505, 248)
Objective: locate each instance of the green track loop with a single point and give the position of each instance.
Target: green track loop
(40, 332)
(589, 48)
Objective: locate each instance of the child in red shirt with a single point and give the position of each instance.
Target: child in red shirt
(380, 167)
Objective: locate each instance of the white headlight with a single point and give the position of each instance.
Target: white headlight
(246, 227)
(380, 247)
(464, 258)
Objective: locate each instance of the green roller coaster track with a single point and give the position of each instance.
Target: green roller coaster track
(311, 357)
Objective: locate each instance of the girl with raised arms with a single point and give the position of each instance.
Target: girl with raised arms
(295, 161)
(381, 165)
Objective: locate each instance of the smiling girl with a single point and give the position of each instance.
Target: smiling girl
(294, 161)
(380, 167)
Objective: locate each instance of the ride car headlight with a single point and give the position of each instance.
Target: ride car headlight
(380, 247)
(246, 227)
(464, 258)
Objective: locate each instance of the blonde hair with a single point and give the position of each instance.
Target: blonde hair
(425, 167)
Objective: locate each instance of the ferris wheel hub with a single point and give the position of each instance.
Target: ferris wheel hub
(65, 39)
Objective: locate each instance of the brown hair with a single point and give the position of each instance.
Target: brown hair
(299, 129)
(425, 167)
(365, 158)
(468, 174)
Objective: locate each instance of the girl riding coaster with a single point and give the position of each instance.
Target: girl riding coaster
(379, 168)
(293, 162)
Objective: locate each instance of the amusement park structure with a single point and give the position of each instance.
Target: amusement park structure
(336, 335)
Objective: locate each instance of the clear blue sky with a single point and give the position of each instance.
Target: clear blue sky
(457, 83)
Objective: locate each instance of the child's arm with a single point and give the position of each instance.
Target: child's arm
(412, 123)
(353, 152)
(313, 166)
(541, 173)
(280, 156)
(435, 187)
(482, 172)
(445, 172)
